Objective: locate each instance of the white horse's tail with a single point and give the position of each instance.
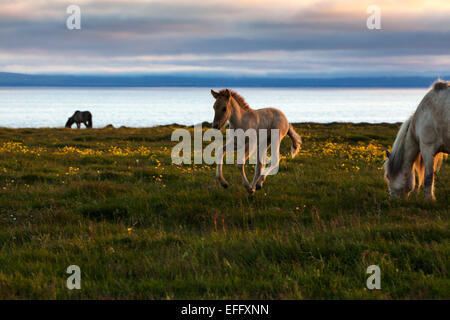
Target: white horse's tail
(296, 141)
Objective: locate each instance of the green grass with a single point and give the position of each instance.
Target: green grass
(142, 228)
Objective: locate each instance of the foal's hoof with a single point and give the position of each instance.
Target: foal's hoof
(225, 184)
(258, 187)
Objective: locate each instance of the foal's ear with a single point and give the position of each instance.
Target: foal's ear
(227, 93)
(214, 94)
(388, 154)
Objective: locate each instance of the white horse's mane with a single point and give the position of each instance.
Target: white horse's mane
(395, 161)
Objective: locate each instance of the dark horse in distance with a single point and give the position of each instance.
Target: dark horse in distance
(80, 117)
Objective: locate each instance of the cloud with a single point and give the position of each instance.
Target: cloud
(248, 37)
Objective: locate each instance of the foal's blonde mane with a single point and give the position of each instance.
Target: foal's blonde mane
(240, 100)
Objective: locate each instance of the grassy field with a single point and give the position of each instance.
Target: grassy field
(139, 227)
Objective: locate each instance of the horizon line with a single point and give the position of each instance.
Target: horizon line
(8, 79)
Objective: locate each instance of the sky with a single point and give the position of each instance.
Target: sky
(276, 38)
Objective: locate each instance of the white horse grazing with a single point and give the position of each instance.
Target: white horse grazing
(420, 144)
(230, 106)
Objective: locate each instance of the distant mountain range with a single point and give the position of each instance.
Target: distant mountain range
(26, 80)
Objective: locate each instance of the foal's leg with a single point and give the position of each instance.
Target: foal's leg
(78, 125)
(257, 173)
(260, 165)
(262, 152)
(428, 159)
(260, 180)
(263, 177)
(242, 170)
(219, 173)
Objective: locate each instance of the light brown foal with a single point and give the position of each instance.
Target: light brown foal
(231, 107)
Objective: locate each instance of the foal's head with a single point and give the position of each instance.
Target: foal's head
(222, 108)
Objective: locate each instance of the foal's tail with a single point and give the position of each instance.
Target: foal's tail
(296, 140)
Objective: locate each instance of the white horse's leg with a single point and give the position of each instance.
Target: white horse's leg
(428, 159)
